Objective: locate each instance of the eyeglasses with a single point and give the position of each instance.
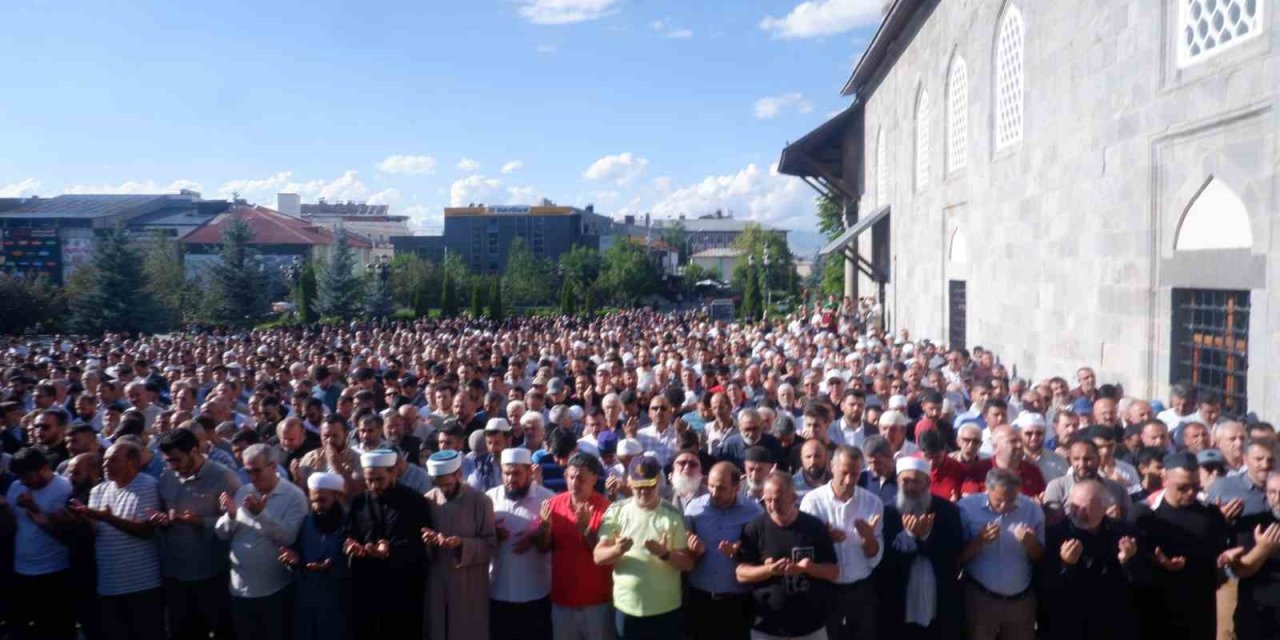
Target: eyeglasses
(688, 463)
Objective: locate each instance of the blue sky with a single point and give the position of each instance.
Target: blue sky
(634, 105)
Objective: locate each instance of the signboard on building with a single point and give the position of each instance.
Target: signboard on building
(31, 251)
(510, 210)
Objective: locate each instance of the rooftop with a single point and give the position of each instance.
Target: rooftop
(344, 209)
(718, 252)
(87, 207)
(708, 225)
(269, 227)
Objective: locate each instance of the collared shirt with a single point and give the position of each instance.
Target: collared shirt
(823, 504)
(126, 563)
(714, 571)
(841, 432)
(884, 488)
(802, 483)
(662, 445)
(1001, 566)
(1051, 464)
(519, 577)
(193, 552)
(486, 474)
(1239, 487)
(256, 571)
(715, 433)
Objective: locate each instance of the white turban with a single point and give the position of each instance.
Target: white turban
(912, 463)
(516, 455)
(630, 447)
(443, 463)
(326, 480)
(378, 458)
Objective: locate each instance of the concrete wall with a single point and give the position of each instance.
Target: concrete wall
(1066, 239)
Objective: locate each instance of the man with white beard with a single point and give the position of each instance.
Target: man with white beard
(918, 592)
(686, 479)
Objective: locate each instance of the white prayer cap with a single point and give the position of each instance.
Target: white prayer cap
(516, 455)
(587, 446)
(912, 463)
(499, 425)
(443, 463)
(892, 418)
(378, 458)
(1029, 419)
(326, 480)
(630, 447)
(575, 413)
(898, 402)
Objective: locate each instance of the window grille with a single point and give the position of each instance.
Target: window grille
(957, 115)
(922, 140)
(1211, 344)
(1009, 80)
(1209, 27)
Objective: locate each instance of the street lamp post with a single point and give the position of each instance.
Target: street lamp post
(293, 272)
(768, 294)
(380, 267)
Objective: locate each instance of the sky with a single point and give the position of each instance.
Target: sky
(635, 106)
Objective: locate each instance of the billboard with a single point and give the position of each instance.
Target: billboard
(32, 251)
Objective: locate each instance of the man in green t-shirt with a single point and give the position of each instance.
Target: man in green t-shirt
(643, 538)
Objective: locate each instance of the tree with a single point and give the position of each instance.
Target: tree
(677, 236)
(414, 282)
(338, 293)
(495, 300)
(448, 298)
(307, 294)
(830, 217)
(567, 306)
(166, 280)
(27, 302)
(478, 290)
(831, 277)
(627, 274)
(751, 304)
(377, 299)
(831, 224)
(104, 295)
(526, 277)
(753, 242)
(695, 273)
(237, 288)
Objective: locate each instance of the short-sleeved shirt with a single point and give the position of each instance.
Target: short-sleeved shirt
(643, 584)
(576, 580)
(789, 605)
(126, 563)
(36, 553)
(194, 552)
(519, 577)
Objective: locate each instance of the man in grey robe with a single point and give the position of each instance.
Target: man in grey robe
(461, 546)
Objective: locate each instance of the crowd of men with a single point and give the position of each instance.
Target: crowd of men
(639, 475)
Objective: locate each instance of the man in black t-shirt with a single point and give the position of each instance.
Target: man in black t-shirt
(788, 559)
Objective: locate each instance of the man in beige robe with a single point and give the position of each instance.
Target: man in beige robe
(460, 547)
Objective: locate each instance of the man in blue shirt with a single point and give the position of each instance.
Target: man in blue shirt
(42, 562)
(720, 606)
(1004, 536)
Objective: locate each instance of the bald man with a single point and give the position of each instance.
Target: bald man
(1091, 563)
(814, 471)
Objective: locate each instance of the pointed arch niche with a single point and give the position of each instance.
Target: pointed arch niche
(1216, 219)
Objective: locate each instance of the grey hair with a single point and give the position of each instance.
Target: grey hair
(877, 445)
(530, 417)
(784, 425)
(783, 480)
(851, 452)
(1003, 479)
(558, 413)
(260, 451)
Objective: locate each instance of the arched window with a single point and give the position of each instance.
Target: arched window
(882, 170)
(922, 139)
(1208, 27)
(957, 115)
(1009, 79)
(1216, 219)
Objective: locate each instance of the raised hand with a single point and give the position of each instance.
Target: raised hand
(657, 547)
(254, 503)
(536, 474)
(1023, 533)
(1071, 551)
(288, 557)
(1230, 557)
(430, 537)
(450, 542)
(582, 515)
(867, 528)
(837, 535)
(381, 550)
(1232, 509)
(227, 504)
(695, 544)
(159, 519)
(353, 548)
(921, 525)
(625, 544)
(990, 533)
(544, 514)
(729, 549)
(185, 516)
(1128, 548)
(1175, 564)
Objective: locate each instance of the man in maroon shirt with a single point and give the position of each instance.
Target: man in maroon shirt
(1008, 456)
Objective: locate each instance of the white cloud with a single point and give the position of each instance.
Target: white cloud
(567, 11)
(412, 165)
(680, 34)
(20, 189)
(424, 219)
(248, 187)
(386, 196)
(135, 187)
(671, 32)
(621, 168)
(467, 164)
(545, 48)
(773, 106)
(818, 18)
(752, 193)
(514, 165)
(345, 187)
(478, 189)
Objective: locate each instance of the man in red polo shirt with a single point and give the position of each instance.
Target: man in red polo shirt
(581, 591)
(946, 474)
(1008, 456)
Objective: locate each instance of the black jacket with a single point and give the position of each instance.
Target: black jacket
(942, 548)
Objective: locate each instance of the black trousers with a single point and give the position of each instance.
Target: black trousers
(853, 611)
(40, 611)
(197, 607)
(520, 620)
(137, 616)
(723, 617)
(265, 618)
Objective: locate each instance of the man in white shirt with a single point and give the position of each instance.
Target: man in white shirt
(520, 577)
(853, 517)
(660, 437)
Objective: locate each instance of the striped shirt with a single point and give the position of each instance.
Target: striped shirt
(126, 563)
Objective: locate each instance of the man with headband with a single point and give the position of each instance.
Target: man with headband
(461, 543)
(384, 545)
(521, 575)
